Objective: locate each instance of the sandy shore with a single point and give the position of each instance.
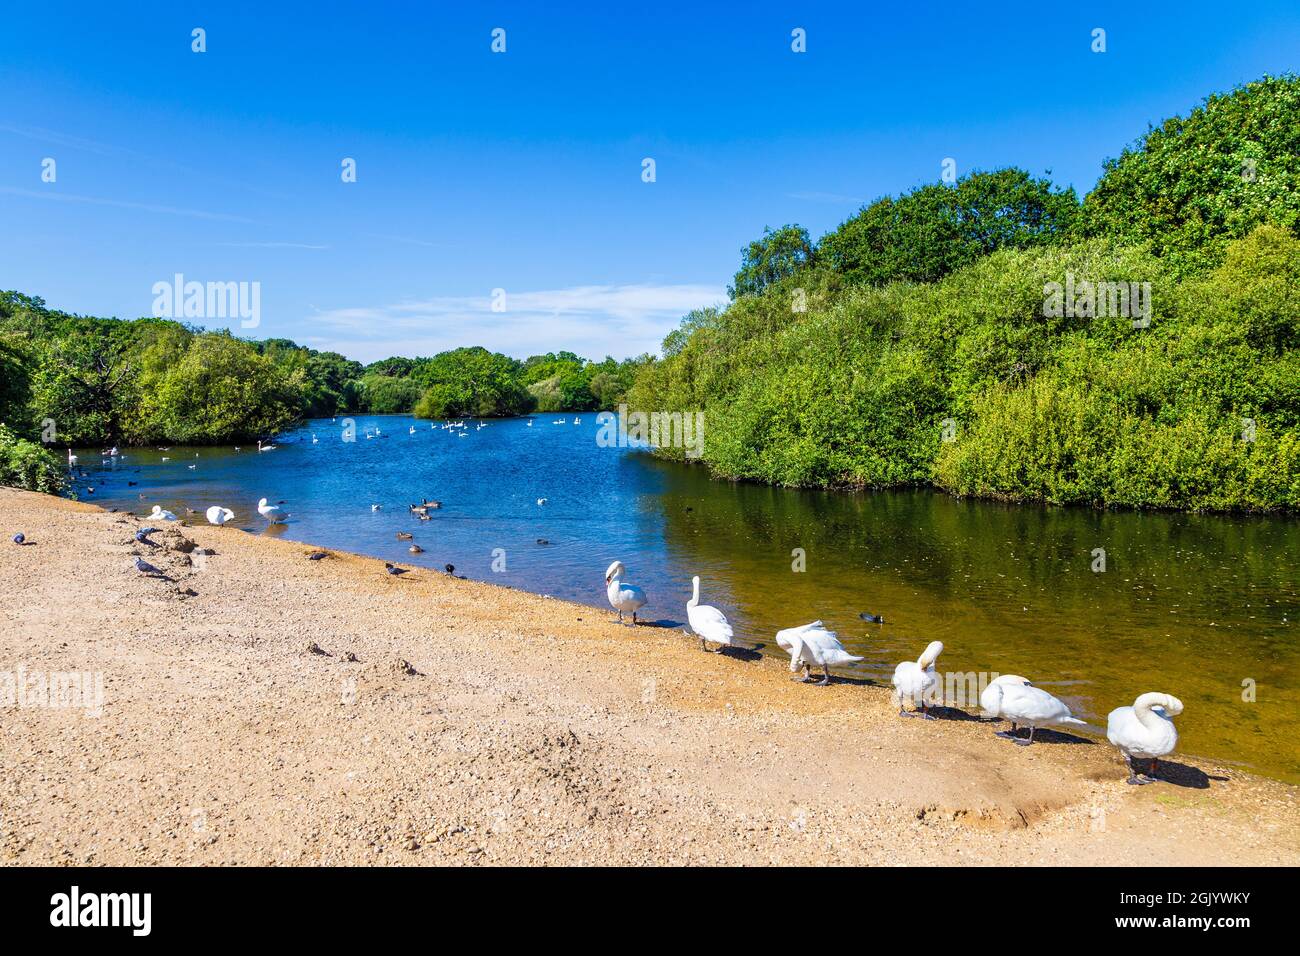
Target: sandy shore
(264, 708)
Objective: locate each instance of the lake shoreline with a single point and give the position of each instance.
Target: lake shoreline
(261, 708)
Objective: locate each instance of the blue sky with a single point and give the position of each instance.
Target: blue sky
(522, 171)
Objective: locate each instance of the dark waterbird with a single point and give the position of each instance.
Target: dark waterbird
(316, 555)
(143, 538)
(872, 618)
(450, 568)
(394, 569)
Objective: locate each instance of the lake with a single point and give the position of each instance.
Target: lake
(1202, 607)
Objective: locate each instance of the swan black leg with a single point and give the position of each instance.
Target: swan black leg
(1008, 734)
(1134, 778)
(827, 679)
(1026, 743)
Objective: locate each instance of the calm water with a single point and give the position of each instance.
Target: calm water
(1189, 605)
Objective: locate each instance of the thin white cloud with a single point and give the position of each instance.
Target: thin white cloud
(593, 321)
(119, 203)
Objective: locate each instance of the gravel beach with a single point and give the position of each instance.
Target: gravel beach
(263, 708)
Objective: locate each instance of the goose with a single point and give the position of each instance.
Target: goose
(917, 679)
(624, 598)
(159, 514)
(415, 549)
(1145, 731)
(218, 515)
(1025, 704)
(404, 536)
(708, 622)
(271, 513)
(813, 644)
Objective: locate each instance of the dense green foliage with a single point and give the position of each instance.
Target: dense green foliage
(917, 344)
(1191, 185)
(779, 255)
(929, 232)
(26, 464)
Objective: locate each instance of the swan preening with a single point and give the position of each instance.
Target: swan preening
(1145, 731)
(1020, 702)
(624, 598)
(813, 645)
(271, 513)
(917, 679)
(218, 515)
(158, 514)
(708, 622)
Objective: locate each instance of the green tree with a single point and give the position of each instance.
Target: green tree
(1192, 185)
(779, 254)
(925, 234)
(219, 389)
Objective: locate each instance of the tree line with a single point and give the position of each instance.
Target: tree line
(72, 381)
(916, 344)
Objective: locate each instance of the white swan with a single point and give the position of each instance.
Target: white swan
(541, 502)
(707, 621)
(158, 514)
(1145, 731)
(624, 598)
(218, 515)
(271, 513)
(1021, 703)
(261, 447)
(812, 644)
(989, 698)
(917, 679)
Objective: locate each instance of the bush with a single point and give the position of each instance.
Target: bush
(856, 391)
(25, 464)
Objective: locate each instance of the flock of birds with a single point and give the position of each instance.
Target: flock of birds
(1143, 732)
